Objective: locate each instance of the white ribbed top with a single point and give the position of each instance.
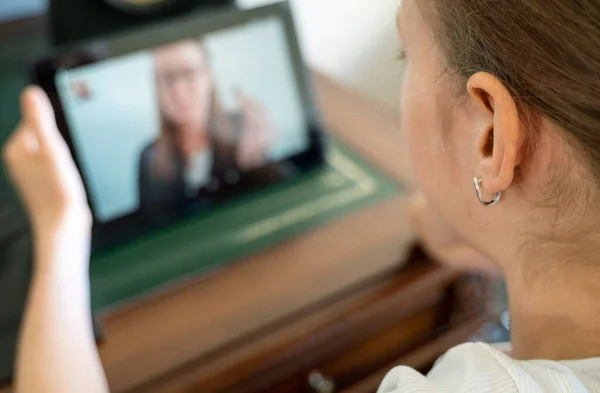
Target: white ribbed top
(481, 368)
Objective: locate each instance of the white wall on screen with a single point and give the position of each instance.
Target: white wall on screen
(254, 58)
(113, 127)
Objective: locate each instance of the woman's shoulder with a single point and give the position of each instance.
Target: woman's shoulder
(149, 150)
(462, 369)
(148, 156)
(482, 368)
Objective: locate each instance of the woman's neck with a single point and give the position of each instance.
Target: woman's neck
(192, 139)
(555, 310)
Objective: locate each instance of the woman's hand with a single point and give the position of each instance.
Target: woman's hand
(57, 336)
(257, 134)
(42, 169)
(442, 243)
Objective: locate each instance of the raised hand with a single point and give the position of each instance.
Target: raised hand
(257, 134)
(41, 167)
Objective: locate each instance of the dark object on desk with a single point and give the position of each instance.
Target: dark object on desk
(79, 20)
(15, 272)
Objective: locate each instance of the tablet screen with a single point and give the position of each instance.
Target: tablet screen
(157, 128)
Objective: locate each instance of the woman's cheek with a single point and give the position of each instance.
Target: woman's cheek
(416, 122)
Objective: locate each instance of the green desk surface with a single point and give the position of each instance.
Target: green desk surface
(235, 230)
(346, 184)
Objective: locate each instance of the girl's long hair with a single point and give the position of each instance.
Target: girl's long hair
(169, 153)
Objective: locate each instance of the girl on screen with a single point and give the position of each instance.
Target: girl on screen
(501, 111)
(200, 145)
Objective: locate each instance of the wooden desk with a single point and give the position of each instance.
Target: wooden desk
(339, 300)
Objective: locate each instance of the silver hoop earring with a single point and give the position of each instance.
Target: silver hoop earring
(477, 182)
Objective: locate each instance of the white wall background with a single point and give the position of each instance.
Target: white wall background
(354, 41)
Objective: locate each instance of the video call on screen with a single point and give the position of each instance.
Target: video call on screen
(166, 121)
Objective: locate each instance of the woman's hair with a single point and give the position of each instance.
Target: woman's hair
(168, 151)
(546, 52)
(219, 135)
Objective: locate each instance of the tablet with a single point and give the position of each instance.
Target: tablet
(167, 122)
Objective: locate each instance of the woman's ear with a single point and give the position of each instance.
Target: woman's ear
(501, 136)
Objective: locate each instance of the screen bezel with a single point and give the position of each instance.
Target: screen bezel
(191, 26)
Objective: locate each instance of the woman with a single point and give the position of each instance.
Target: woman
(200, 146)
(501, 108)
